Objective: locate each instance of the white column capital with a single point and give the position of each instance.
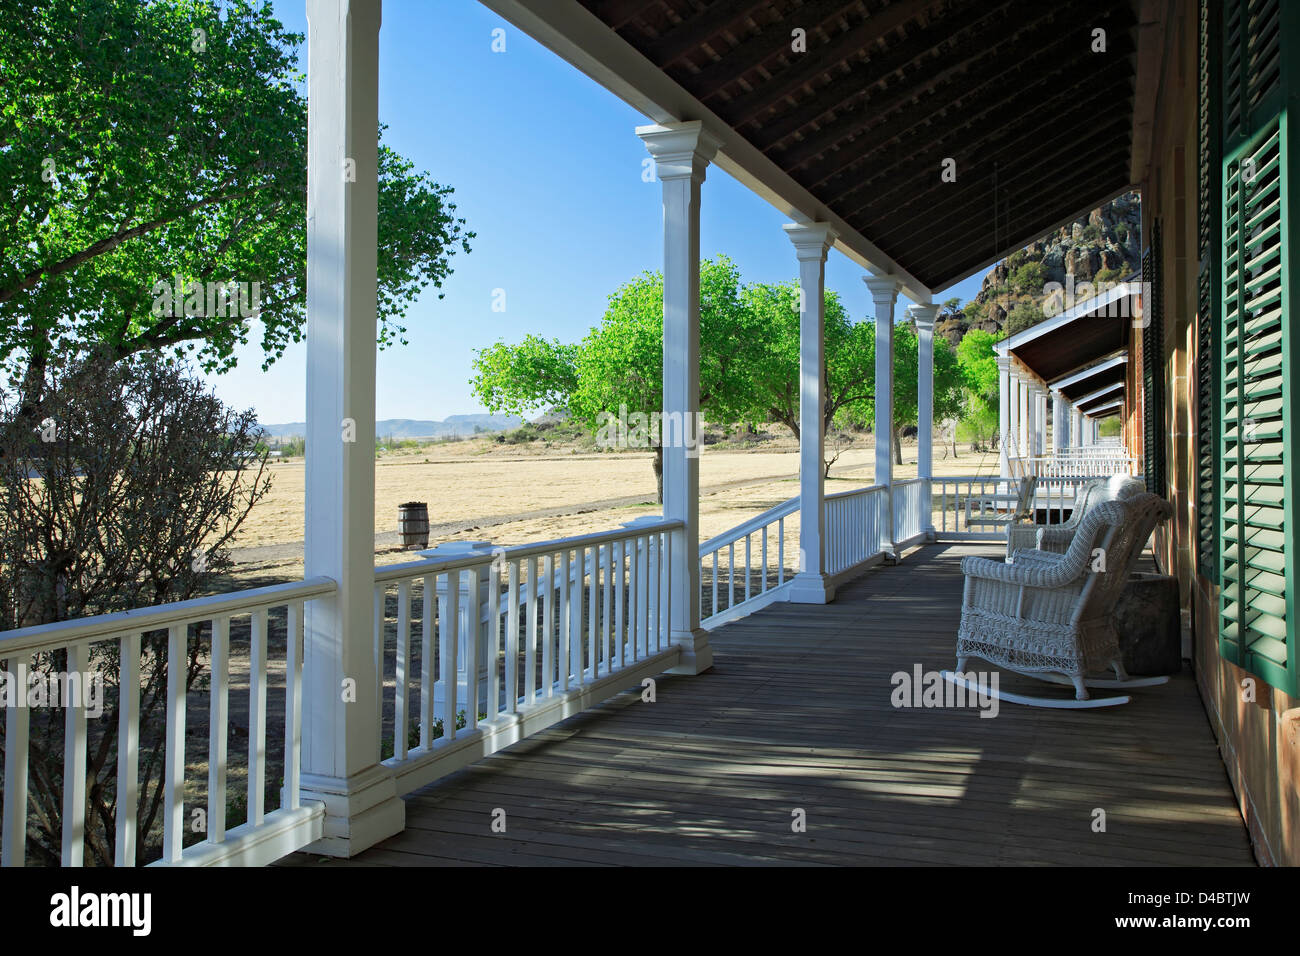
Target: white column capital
(923, 314)
(812, 240)
(1004, 363)
(884, 290)
(680, 150)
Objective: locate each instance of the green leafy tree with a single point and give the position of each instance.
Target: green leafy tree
(166, 142)
(619, 364)
(772, 356)
(947, 386)
(979, 368)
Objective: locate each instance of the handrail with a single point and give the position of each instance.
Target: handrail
(410, 569)
(855, 491)
(784, 509)
(38, 637)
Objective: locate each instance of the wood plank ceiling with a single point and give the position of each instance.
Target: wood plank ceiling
(1038, 124)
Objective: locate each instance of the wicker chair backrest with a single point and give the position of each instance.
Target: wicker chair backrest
(1120, 530)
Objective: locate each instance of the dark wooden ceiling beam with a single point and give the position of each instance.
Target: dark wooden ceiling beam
(968, 76)
(882, 65)
(974, 130)
(927, 236)
(1005, 148)
(850, 189)
(924, 230)
(937, 269)
(762, 46)
(913, 219)
(698, 30)
(618, 13)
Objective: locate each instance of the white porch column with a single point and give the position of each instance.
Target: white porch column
(1060, 422)
(1023, 417)
(1004, 414)
(1013, 422)
(340, 752)
(1040, 420)
(682, 152)
(1076, 427)
(884, 293)
(923, 315)
(811, 243)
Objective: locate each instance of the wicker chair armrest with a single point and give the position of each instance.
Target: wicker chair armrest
(1030, 575)
(1022, 535)
(1055, 538)
(1031, 557)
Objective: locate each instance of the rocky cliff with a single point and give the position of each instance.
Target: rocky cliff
(1104, 245)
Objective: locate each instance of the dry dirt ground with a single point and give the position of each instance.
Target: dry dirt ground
(482, 490)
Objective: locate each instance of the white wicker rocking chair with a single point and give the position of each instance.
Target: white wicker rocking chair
(1057, 537)
(1049, 615)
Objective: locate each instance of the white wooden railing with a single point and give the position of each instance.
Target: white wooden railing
(977, 508)
(910, 517)
(115, 641)
(854, 534)
(763, 537)
(737, 576)
(584, 618)
(1093, 462)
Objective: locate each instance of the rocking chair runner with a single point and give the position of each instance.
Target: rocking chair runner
(1052, 614)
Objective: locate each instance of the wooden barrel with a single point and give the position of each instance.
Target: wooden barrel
(413, 524)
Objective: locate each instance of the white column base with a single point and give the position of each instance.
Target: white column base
(809, 587)
(360, 811)
(697, 655)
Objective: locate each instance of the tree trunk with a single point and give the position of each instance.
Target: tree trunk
(658, 466)
(898, 445)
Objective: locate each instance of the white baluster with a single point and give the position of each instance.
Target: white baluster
(512, 638)
(293, 704)
(74, 759)
(128, 753)
(174, 762)
(218, 724)
(257, 719)
(449, 651)
(401, 674)
(548, 626)
(428, 677)
(17, 726)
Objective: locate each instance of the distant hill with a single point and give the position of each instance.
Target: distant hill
(449, 427)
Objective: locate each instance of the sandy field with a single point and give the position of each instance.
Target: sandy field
(482, 490)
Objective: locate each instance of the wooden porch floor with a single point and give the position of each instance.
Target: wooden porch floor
(796, 714)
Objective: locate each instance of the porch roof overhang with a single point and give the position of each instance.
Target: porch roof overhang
(1107, 410)
(1059, 348)
(856, 131)
(1100, 397)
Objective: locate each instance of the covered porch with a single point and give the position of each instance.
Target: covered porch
(512, 677)
(796, 714)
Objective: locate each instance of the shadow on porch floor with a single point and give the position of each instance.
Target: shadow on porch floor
(796, 715)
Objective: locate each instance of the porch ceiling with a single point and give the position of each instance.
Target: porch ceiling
(863, 121)
(1107, 374)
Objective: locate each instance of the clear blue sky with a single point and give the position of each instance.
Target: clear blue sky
(547, 171)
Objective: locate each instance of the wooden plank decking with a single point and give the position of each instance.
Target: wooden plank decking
(796, 715)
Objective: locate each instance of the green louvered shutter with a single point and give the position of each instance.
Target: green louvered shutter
(1257, 344)
(1153, 366)
(1207, 379)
